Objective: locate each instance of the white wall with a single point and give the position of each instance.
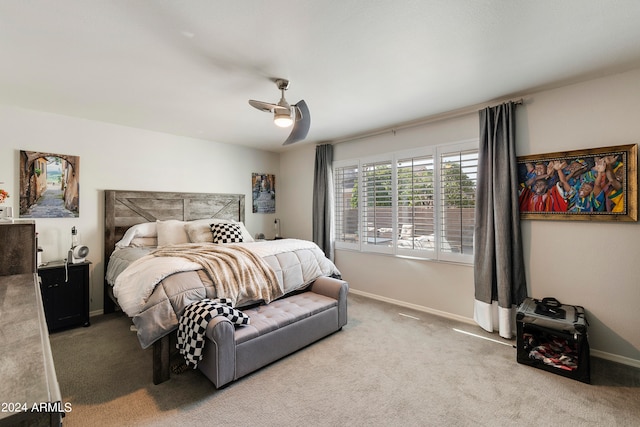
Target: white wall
(593, 264)
(122, 158)
(295, 203)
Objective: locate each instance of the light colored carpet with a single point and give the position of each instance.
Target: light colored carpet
(382, 369)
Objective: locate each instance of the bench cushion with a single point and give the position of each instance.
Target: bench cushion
(282, 312)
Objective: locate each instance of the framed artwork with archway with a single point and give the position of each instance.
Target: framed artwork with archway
(598, 184)
(263, 192)
(49, 185)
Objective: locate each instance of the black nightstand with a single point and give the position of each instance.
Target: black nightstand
(65, 294)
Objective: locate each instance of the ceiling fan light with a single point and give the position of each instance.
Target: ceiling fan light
(282, 119)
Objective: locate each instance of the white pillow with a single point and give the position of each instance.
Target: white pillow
(144, 242)
(171, 232)
(146, 229)
(199, 230)
(246, 236)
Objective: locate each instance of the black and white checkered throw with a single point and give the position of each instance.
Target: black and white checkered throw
(193, 325)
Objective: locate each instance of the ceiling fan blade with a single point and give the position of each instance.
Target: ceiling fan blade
(301, 125)
(262, 106)
(266, 106)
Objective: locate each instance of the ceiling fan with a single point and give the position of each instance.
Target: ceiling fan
(285, 115)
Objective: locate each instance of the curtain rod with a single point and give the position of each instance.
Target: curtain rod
(430, 119)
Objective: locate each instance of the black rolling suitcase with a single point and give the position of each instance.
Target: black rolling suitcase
(553, 337)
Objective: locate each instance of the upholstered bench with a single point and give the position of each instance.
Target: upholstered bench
(276, 330)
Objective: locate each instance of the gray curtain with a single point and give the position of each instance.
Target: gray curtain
(499, 274)
(323, 199)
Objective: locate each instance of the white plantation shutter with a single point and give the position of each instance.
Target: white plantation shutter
(346, 215)
(418, 202)
(458, 178)
(376, 205)
(416, 197)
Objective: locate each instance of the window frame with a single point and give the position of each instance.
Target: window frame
(339, 226)
(435, 152)
(366, 246)
(412, 252)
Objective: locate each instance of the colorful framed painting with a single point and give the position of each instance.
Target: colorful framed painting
(598, 184)
(49, 185)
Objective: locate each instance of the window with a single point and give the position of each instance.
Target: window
(415, 203)
(376, 208)
(345, 181)
(416, 217)
(458, 178)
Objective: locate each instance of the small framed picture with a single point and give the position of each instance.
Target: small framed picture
(263, 192)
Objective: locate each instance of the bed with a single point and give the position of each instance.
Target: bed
(124, 209)
(167, 250)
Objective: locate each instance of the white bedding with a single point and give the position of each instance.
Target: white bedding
(154, 291)
(134, 285)
(296, 263)
(120, 260)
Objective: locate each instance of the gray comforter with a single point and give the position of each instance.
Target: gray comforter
(154, 290)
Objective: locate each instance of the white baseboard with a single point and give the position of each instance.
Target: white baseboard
(595, 353)
(415, 307)
(96, 313)
(615, 358)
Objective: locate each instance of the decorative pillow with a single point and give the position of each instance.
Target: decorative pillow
(199, 230)
(171, 232)
(226, 233)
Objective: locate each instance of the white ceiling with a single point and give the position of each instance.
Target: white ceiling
(188, 67)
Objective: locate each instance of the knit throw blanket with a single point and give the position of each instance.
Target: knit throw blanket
(237, 273)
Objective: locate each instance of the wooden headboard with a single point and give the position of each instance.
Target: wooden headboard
(123, 208)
